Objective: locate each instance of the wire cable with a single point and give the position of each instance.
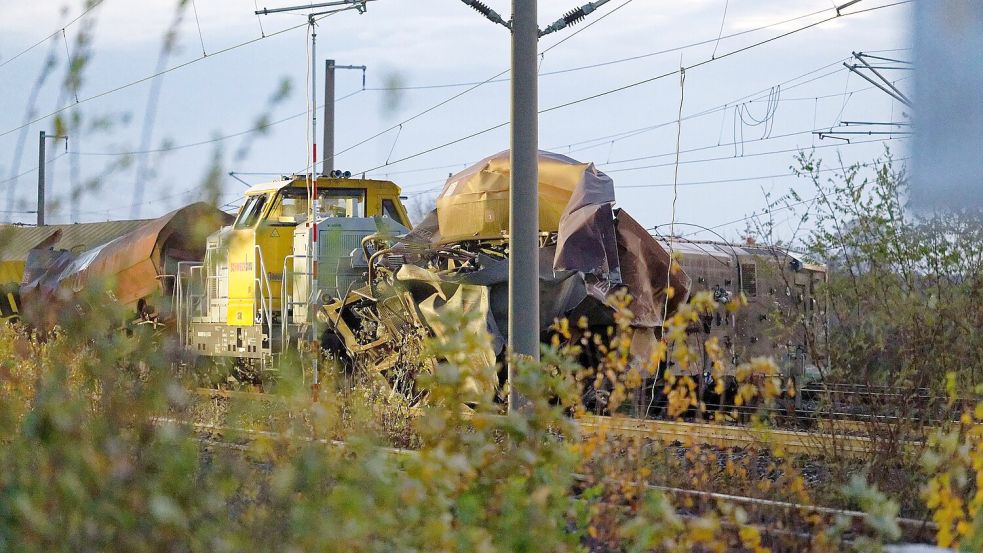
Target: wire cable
(420, 114)
(585, 27)
(751, 216)
(55, 32)
(157, 74)
(606, 140)
(29, 171)
(68, 61)
(628, 86)
(749, 98)
(710, 60)
(624, 135)
(201, 38)
(113, 209)
(258, 18)
(723, 181)
(756, 154)
(204, 142)
(608, 62)
(495, 78)
(688, 162)
(450, 85)
(256, 128)
(723, 19)
(303, 113)
(675, 188)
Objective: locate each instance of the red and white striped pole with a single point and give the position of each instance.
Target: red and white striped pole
(315, 210)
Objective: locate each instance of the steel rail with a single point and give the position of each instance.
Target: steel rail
(844, 437)
(790, 441)
(213, 429)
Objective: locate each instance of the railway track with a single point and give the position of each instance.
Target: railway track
(219, 436)
(727, 436)
(836, 437)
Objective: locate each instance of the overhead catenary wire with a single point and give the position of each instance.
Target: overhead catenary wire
(711, 60)
(604, 168)
(390, 153)
(159, 73)
(255, 128)
(727, 158)
(237, 133)
(608, 62)
(435, 86)
(747, 98)
(607, 139)
(474, 85)
(637, 132)
(723, 107)
(188, 192)
(668, 154)
(461, 165)
(53, 33)
(262, 31)
(730, 180)
(753, 215)
(632, 85)
(33, 169)
(744, 118)
(264, 126)
(419, 114)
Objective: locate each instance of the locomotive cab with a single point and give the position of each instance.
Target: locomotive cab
(257, 273)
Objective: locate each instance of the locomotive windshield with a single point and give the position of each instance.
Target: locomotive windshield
(342, 202)
(291, 204)
(250, 211)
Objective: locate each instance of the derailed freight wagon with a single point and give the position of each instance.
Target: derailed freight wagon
(783, 319)
(17, 241)
(134, 270)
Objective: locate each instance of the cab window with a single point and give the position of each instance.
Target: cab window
(342, 202)
(289, 207)
(389, 210)
(251, 211)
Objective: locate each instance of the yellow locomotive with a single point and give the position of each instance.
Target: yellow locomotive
(260, 281)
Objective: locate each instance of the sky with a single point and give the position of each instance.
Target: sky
(753, 100)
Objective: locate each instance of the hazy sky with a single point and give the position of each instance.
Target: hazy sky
(420, 43)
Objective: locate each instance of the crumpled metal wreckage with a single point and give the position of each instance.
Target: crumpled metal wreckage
(457, 259)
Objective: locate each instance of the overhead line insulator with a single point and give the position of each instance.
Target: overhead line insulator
(486, 11)
(574, 16)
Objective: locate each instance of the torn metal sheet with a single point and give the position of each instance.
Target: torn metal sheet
(465, 298)
(474, 204)
(575, 203)
(645, 271)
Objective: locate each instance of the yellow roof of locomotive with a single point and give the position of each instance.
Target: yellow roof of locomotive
(323, 182)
